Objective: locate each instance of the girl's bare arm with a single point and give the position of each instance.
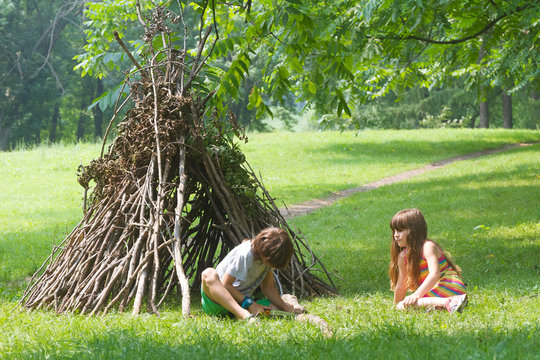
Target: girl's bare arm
(432, 254)
(400, 290)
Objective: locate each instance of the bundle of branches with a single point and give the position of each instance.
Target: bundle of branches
(171, 197)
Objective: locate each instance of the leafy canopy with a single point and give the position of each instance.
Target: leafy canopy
(334, 54)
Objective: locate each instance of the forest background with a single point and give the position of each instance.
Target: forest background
(316, 65)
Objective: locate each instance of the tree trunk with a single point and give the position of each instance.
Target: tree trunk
(98, 114)
(473, 118)
(484, 108)
(54, 123)
(80, 124)
(86, 97)
(483, 92)
(507, 110)
(5, 133)
(82, 116)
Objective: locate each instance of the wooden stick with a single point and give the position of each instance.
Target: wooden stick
(117, 37)
(182, 279)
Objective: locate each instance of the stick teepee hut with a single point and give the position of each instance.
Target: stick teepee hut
(171, 197)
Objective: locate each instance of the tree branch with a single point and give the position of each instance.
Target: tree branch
(197, 64)
(53, 32)
(461, 40)
(117, 37)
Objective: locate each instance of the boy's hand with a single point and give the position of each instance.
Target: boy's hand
(294, 309)
(257, 309)
(292, 300)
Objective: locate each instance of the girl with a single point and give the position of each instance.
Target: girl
(420, 264)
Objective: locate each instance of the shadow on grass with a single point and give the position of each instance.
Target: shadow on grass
(405, 151)
(387, 341)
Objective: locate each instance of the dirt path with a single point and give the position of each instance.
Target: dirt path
(312, 205)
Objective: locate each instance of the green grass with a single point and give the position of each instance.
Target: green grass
(40, 201)
(484, 211)
(300, 166)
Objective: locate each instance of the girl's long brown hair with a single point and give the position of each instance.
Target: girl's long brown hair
(413, 222)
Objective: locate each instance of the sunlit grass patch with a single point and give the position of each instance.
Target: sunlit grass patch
(484, 211)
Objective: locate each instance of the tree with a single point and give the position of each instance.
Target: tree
(38, 44)
(348, 52)
(484, 107)
(30, 76)
(98, 113)
(507, 110)
(333, 56)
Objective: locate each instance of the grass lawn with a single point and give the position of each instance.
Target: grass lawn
(484, 211)
(296, 168)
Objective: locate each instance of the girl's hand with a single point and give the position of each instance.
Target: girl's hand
(400, 306)
(410, 300)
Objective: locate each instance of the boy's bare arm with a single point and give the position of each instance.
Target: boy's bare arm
(269, 290)
(227, 282)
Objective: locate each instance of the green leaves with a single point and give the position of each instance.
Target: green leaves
(109, 98)
(331, 49)
(341, 103)
(255, 98)
(102, 53)
(226, 46)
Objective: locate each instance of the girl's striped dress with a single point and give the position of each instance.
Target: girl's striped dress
(450, 283)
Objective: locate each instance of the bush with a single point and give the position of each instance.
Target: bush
(443, 120)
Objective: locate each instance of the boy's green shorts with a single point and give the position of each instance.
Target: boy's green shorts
(211, 308)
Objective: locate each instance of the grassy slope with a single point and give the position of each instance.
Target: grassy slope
(484, 211)
(298, 167)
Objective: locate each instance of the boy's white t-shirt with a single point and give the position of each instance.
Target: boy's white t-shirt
(241, 264)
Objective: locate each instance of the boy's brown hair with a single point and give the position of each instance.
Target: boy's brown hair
(274, 247)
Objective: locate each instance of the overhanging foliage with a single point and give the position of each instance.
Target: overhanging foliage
(339, 54)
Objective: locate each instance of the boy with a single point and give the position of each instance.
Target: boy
(229, 287)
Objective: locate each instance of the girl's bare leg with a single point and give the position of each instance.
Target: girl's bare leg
(435, 302)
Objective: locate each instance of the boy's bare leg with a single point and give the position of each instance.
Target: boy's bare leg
(214, 289)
